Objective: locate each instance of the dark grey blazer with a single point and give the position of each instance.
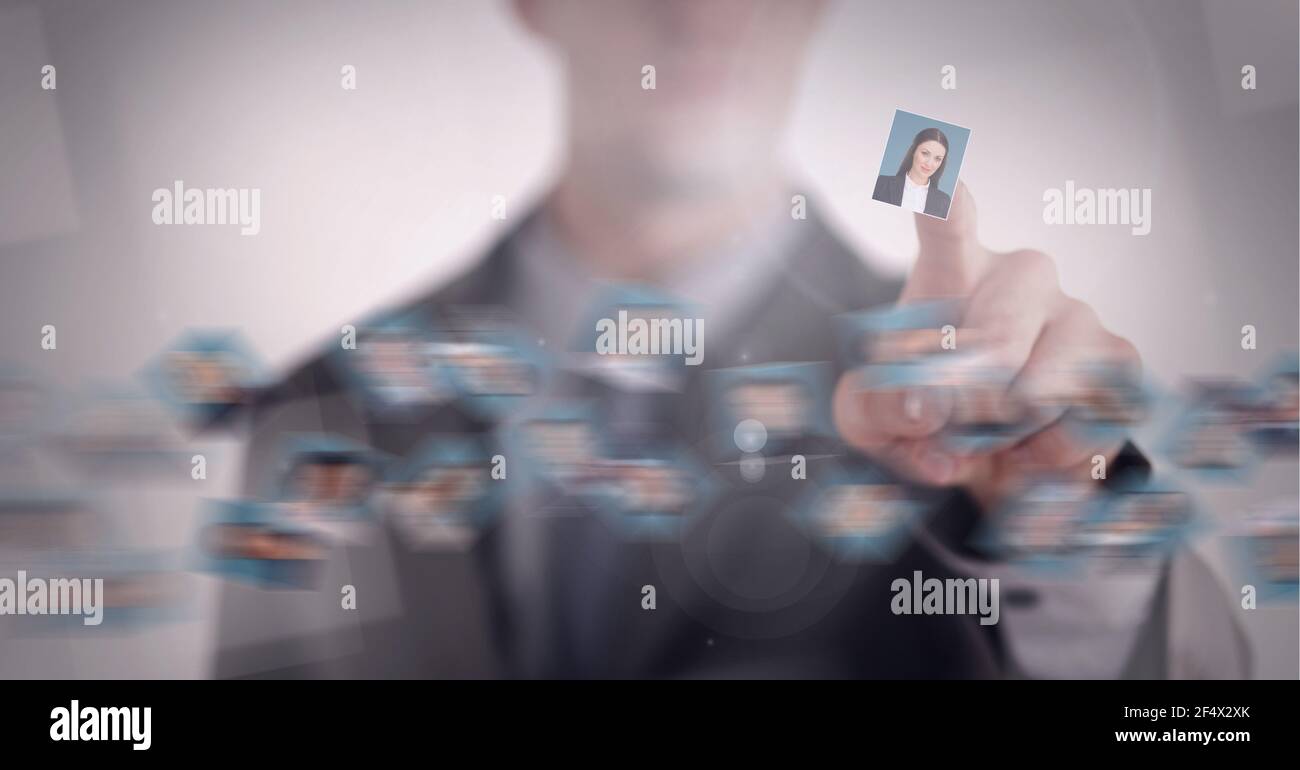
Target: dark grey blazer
(889, 189)
(745, 593)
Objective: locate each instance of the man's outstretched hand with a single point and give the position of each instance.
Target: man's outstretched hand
(1024, 325)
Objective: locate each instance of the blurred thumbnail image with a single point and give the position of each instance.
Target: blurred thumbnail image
(1275, 420)
(648, 497)
(644, 487)
(559, 443)
(627, 320)
(860, 516)
(1266, 547)
(1105, 401)
(861, 510)
(486, 369)
(1210, 435)
(987, 412)
(921, 346)
(790, 401)
(444, 495)
(493, 372)
(394, 366)
(1140, 520)
(250, 541)
(205, 373)
(904, 334)
(1044, 525)
(327, 482)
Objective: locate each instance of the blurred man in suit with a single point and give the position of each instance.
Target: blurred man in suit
(680, 188)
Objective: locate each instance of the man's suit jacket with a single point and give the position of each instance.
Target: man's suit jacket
(889, 189)
(744, 593)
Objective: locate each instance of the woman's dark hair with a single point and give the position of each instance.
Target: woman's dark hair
(926, 135)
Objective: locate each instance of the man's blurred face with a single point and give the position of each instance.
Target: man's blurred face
(725, 72)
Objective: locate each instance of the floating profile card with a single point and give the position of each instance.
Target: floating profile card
(1210, 435)
(1265, 548)
(445, 494)
(325, 484)
(393, 368)
(205, 374)
(1275, 421)
(650, 498)
(921, 163)
(787, 403)
(250, 541)
(859, 515)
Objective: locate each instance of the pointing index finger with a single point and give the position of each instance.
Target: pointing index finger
(951, 260)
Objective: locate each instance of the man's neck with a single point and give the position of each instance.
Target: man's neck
(624, 234)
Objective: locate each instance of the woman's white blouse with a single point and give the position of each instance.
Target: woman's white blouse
(914, 195)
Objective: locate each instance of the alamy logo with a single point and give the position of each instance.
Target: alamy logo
(57, 596)
(1104, 206)
(210, 206)
(651, 337)
(87, 723)
(954, 596)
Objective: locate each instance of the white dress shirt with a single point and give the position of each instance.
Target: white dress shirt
(914, 195)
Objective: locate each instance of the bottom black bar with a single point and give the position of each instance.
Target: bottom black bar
(240, 720)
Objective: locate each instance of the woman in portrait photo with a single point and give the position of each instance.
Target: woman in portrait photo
(916, 185)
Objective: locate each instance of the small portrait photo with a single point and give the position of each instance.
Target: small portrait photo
(922, 160)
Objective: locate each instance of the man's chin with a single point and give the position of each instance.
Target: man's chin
(701, 169)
